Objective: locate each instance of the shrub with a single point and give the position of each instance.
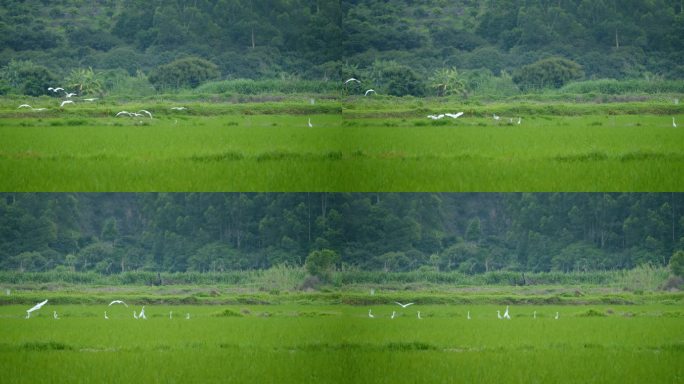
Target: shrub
(677, 263)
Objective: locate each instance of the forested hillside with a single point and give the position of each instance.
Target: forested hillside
(472, 233)
(380, 40)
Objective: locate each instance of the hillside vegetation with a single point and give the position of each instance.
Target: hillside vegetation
(427, 47)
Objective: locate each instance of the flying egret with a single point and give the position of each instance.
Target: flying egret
(117, 302)
(435, 117)
(506, 315)
(674, 125)
(70, 94)
(454, 115)
(28, 106)
(310, 125)
(419, 318)
(404, 305)
(498, 314)
(394, 314)
(352, 79)
(369, 91)
(55, 90)
(54, 314)
(468, 315)
(496, 117)
(39, 109)
(179, 108)
(66, 102)
(106, 317)
(146, 112)
(124, 113)
(370, 314)
(35, 308)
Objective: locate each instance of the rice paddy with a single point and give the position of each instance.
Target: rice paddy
(275, 150)
(341, 344)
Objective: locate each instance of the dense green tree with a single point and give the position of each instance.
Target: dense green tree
(183, 73)
(548, 73)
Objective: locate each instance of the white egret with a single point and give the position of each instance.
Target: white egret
(187, 316)
(352, 79)
(39, 109)
(369, 91)
(534, 315)
(55, 90)
(117, 302)
(65, 102)
(468, 315)
(370, 314)
(454, 115)
(394, 314)
(179, 108)
(496, 117)
(35, 308)
(124, 113)
(519, 120)
(135, 315)
(145, 112)
(91, 99)
(404, 305)
(419, 318)
(170, 315)
(435, 117)
(557, 316)
(70, 94)
(28, 106)
(106, 317)
(674, 125)
(506, 315)
(498, 314)
(141, 315)
(310, 125)
(54, 314)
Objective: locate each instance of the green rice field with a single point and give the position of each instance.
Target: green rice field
(341, 344)
(274, 149)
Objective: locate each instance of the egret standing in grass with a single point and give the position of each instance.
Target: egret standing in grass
(142, 314)
(370, 314)
(519, 120)
(394, 314)
(54, 315)
(170, 315)
(310, 125)
(506, 315)
(135, 315)
(498, 314)
(419, 318)
(674, 124)
(534, 315)
(468, 315)
(496, 117)
(557, 316)
(35, 308)
(187, 316)
(106, 317)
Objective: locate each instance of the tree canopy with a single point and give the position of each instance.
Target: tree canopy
(473, 233)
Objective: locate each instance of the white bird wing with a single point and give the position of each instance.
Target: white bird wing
(146, 112)
(123, 113)
(117, 302)
(454, 115)
(66, 102)
(37, 306)
(57, 89)
(351, 79)
(368, 91)
(25, 106)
